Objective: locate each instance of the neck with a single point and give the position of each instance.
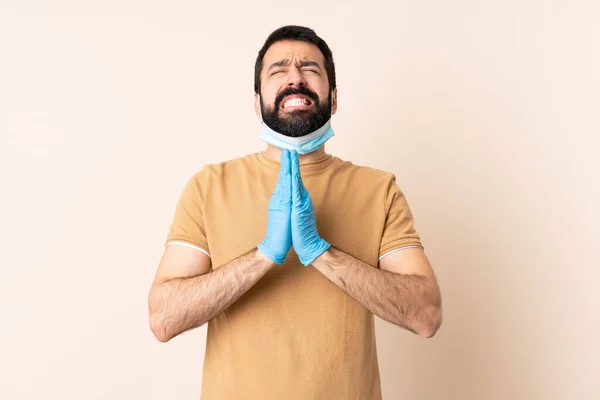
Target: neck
(274, 153)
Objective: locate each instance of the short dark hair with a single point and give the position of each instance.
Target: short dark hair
(295, 32)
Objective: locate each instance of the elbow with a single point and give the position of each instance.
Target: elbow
(159, 328)
(158, 317)
(431, 324)
(164, 330)
(157, 320)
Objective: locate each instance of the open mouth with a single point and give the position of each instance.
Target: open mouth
(296, 102)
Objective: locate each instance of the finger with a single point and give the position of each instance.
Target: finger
(285, 177)
(296, 178)
(284, 171)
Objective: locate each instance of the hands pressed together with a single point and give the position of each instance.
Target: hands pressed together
(292, 219)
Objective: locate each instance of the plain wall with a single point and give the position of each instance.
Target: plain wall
(488, 112)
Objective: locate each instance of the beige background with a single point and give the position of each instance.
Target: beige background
(487, 111)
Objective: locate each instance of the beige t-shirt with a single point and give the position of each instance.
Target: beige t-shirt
(294, 335)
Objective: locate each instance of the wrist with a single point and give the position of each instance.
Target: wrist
(266, 253)
(317, 250)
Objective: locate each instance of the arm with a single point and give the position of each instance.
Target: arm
(186, 294)
(403, 290)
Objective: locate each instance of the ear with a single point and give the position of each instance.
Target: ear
(333, 101)
(257, 105)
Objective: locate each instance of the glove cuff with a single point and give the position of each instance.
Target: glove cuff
(319, 249)
(264, 248)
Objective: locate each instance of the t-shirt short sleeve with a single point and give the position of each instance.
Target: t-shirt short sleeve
(187, 227)
(399, 231)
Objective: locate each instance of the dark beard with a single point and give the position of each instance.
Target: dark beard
(299, 122)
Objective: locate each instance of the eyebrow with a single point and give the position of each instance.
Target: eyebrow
(303, 63)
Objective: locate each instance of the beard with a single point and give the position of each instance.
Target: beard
(298, 122)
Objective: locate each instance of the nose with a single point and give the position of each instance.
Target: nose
(295, 77)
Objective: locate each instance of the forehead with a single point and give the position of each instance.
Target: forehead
(292, 50)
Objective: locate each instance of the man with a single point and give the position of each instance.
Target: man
(289, 253)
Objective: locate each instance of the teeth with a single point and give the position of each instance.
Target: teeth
(295, 102)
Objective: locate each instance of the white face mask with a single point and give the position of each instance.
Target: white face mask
(303, 144)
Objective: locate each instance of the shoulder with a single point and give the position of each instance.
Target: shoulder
(363, 174)
(211, 171)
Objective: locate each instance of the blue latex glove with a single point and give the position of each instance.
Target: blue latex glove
(305, 237)
(278, 240)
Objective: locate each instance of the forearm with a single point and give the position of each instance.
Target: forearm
(410, 301)
(180, 304)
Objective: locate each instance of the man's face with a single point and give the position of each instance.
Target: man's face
(295, 97)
